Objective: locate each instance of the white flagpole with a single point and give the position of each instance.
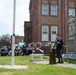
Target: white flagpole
(13, 33)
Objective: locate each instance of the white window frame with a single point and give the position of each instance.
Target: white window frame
(45, 9)
(71, 11)
(54, 9)
(45, 34)
(54, 31)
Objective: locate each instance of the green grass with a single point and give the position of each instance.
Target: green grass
(70, 61)
(34, 69)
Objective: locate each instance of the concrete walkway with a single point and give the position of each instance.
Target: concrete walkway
(14, 67)
(38, 62)
(66, 65)
(58, 64)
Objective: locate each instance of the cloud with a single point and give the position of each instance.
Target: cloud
(6, 16)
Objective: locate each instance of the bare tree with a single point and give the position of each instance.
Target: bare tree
(5, 40)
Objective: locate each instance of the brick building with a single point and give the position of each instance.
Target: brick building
(18, 39)
(47, 18)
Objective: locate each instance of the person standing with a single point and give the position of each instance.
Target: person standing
(24, 49)
(59, 45)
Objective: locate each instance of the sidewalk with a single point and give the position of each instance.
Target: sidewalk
(13, 67)
(38, 62)
(58, 64)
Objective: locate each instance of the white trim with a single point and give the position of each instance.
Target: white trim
(45, 11)
(45, 34)
(54, 9)
(54, 31)
(71, 11)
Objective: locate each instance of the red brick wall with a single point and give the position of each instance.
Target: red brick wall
(61, 20)
(35, 22)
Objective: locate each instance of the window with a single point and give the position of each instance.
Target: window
(54, 31)
(71, 11)
(45, 30)
(54, 10)
(45, 9)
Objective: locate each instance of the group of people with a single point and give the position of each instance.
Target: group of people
(5, 50)
(37, 46)
(31, 48)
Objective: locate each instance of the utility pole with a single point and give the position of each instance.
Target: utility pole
(13, 33)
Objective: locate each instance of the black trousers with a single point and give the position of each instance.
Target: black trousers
(59, 54)
(24, 52)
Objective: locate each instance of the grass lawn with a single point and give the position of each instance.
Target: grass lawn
(34, 69)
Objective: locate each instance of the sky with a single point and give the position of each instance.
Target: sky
(6, 16)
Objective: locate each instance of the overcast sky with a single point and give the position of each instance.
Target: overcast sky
(6, 16)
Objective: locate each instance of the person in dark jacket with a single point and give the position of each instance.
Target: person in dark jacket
(59, 44)
(24, 49)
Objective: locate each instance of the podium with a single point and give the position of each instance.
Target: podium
(52, 59)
